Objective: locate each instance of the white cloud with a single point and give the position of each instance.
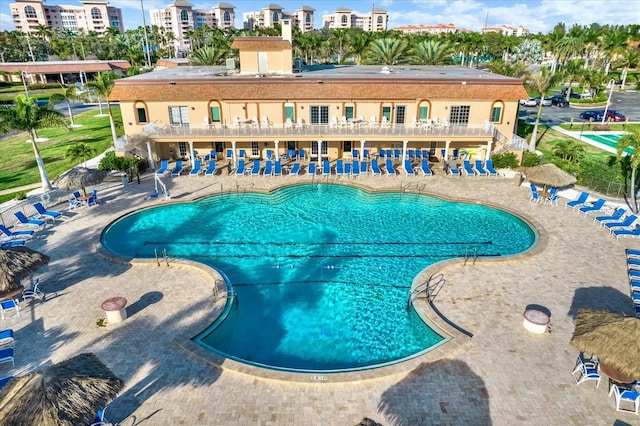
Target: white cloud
(6, 23)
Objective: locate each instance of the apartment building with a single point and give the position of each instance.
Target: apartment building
(506, 30)
(271, 14)
(328, 111)
(343, 17)
(93, 15)
(180, 17)
(428, 29)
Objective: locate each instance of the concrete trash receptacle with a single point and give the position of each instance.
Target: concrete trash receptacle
(125, 180)
(115, 310)
(518, 179)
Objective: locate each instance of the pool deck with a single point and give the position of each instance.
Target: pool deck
(503, 375)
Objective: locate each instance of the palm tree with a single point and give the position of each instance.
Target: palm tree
(629, 146)
(208, 56)
(102, 86)
(540, 83)
(432, 52)
(80, 152)
(26, 116)
(387, 51)
(65, 94)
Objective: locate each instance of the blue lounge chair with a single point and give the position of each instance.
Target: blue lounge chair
(302, 154)
(535, 197)
(277, 168)
(311, 169)
(339, 167)
(24, 234)
(9, 306)
(228, 155)
(593, 208)
(269, 154)
(91, 201)
(582, 198)
(195, 171)
(24, 221)
(6, 355)
(553, 197)
(326, 167)
(488, 165)
(255, 171)
(164, 166)
(455, 154)
(241, 168)
(295, 169)
(76, 194)
(375, 169)
(242, 154)
(355, 154)
(211, 170)
(631, 253)
(177, 170)
(355, 168)
(467, 169)
(347, 169)
(480, 171)
(6, 338)
(626, 222)
(363, 167)
(389, 154)
(268, 168)
(411, 153)
(12, 243)
(634, 232)
(424, 168)
(418, 154)
(453, 168)
(43, 213)
(365, 154)
(383, 155)
(425, 154)
(615, 216)
(408, 169)
(389, 168)
(4, 381)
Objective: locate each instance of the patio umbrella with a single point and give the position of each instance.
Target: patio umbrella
(79, 177)
(549, 174)
(68, 393)
(613, 338)
(17, 263)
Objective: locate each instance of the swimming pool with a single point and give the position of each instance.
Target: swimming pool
(321, 272)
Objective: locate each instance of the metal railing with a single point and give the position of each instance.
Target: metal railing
(158, 131)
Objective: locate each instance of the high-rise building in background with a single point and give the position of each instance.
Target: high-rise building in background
(343, 17)
(273, 14)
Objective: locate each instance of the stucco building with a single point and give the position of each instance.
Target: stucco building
(273, 14)
(343, 17)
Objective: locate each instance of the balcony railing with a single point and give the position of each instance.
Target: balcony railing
(286, 132)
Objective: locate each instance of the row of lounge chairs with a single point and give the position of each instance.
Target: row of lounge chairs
(478, 169)
(7, 343)
(619, 222)
(633, 268)
(38, 221)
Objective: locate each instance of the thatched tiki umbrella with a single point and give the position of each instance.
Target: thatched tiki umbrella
(549, 174)
(69, 393)
(17, 263)
(79, 177)
(612, 337)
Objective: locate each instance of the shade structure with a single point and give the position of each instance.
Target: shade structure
(64, 394)
(549, 174)
(79, 177)
(614, 338)
(17, 263)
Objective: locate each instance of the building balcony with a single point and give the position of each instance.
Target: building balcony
(351, 131)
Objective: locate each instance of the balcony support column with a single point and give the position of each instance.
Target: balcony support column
(404, 150)
(319, 153)
(362, 142)
(277, 154)
(446, 150)
(233, 152)
(191, 159)
(488, 154)
(152, 163)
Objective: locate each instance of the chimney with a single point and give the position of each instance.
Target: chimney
(286, 30)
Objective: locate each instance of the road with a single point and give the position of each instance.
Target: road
(627, 102)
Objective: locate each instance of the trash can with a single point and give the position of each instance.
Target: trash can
(518, 179)
(125, 180)
(115, 309)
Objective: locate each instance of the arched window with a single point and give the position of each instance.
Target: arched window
(275, 17)
(307, 18)
(95, 13)
(379, 19)
(496, 112)
(344, 19)
(226, 17)
(184, 16)
(30, 12)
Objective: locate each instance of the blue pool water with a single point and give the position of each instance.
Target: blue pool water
(321, 272)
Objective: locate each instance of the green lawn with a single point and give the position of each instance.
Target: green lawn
(617, 127)
(18, 164)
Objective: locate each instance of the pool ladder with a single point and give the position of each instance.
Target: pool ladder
(431, 288)
(468, 256)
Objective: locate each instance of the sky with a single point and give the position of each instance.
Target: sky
(539, 16)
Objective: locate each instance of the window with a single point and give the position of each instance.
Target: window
(183, 148)
(179, 116)
(319, 114)
(288, 112)
(348, 111)
(307, 18)
(255, 149)
(424, 112)
(291, 145)
(386, 112)
(459, 114)
(95, 13)
(379, 19)
(141, 113)
(226, 17)
(215, 114)
(496, 114)
(30, 12)
(275, 17)
(346, 146)
(314, 149)
(184, 15)
(343, 20)
(401, 112)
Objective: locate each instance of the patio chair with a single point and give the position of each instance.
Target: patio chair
(311, 169)
(479, 169)
(10, 306)
(177, 170)
(255, 171)
(211, 170)
(33, 292)
(535, 198)
(424, 168)
(6, 355)
(91, 201)
(6, 338)
(23, 234)
(375, 169)
(43, 213)
(467, 169)
(488, 165)
(553, 197)
(608, 218)
(73, 204)
(164, 166)
(625, 395)
(408, 169)
(195, 171)
(582, 198)
(295, 169)
(586, 369)
(389, 168)
(24, 221)
(593, 208)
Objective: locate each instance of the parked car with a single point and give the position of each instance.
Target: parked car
(546, 101)
(559, 101)
(613, 115)
(528, 102)
(592, 115)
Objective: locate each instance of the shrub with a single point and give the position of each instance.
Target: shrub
(530, 159)
(21, 195)
(508, 160)
(111, 161)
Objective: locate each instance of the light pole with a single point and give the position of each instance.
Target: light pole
(606, 108)
(144, 32)
(23, 75)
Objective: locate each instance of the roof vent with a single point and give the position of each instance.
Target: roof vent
(385, 70)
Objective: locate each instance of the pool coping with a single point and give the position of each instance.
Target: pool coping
(455, 338)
